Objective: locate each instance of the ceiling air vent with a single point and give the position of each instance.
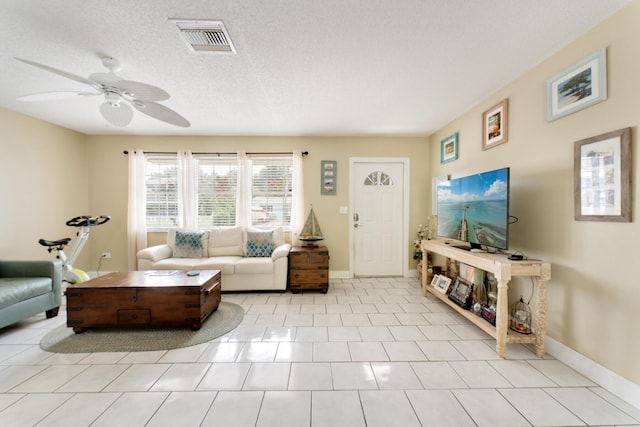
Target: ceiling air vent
(205, 36)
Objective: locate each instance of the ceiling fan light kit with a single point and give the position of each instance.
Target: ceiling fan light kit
(119, 95)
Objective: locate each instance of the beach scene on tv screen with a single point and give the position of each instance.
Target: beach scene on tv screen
(475, 208)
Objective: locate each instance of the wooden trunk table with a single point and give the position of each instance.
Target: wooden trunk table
(309, 268)
(143, 298)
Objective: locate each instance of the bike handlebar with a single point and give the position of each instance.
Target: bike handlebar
(87, 221)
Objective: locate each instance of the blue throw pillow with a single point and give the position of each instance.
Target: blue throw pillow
(188, 244)
(259, 244)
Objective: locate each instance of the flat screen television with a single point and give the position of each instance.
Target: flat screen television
(475, 209)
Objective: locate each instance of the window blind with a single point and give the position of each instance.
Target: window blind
(161, 182)
(217, 186)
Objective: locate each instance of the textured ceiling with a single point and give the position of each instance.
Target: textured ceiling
(302, 67)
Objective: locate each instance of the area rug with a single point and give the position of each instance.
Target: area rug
(95, 340)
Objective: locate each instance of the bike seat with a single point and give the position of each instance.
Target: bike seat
(49, 243)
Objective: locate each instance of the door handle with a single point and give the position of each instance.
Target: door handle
(356, 217)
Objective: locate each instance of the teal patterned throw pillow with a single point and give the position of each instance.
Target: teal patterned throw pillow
(188, 244)
(259, 244)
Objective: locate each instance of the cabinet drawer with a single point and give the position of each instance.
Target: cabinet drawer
(308, 276)
(308, 259)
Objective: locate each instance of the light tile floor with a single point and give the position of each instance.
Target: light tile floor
(371, 352)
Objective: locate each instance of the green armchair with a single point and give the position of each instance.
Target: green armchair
(28, 288)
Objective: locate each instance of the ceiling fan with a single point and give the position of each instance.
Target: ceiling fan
(120, 95)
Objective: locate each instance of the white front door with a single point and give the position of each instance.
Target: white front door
(377, 217)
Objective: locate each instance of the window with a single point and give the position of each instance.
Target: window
(161, 182)
(271, 192)
(216, 191)
(378, 178)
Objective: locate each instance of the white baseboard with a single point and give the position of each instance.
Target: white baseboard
(412, 272)
(607, 379)
(333, 274)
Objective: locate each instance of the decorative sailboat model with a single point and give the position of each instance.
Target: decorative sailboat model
(311, 231)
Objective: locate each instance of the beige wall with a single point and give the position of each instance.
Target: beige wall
(594, 294)
(43, 183)
(108, 178)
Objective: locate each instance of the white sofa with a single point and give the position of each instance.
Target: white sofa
(244, 265)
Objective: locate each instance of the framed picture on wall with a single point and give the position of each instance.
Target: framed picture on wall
(328, 175)
(449, 149)
(578, 87)
(495, 130)
(602, 177)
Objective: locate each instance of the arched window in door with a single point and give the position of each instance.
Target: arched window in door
(378, 178)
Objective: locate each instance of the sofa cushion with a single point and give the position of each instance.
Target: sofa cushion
(15, 290)
(259, 244)
(226, 264)
(226, 241)
(188, 244)
(176, 264)
(254, 266)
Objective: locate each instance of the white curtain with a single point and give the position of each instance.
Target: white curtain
(187, 190)
(136, 228)
(243, 201)
(297, 199)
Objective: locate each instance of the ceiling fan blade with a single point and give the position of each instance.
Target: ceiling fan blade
(142, 91)
(58, 72)
(160, 112)
(118, 114)
(54, 96)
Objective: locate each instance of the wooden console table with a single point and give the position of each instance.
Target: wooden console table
(503, 269)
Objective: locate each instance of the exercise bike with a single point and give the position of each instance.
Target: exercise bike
(84, 223)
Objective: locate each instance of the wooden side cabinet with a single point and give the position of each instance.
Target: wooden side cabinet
(309, 268)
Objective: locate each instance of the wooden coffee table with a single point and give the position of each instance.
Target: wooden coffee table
(143, 298)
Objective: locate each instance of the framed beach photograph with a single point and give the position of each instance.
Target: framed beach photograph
(495, 129)
(578, 87)
(449, 149)
(443, 284)
(328, 170)
(602, 177)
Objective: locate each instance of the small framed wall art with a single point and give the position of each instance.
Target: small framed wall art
(328, 175)
(602, 177)
(578, 87)
(449, 149)
(495, 129)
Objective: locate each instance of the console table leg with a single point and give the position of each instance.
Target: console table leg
(502, 317)
(541, 317)
(423, 281)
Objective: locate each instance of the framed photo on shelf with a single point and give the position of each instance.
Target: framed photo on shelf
(434, 280)
(602, 177)
(449, 149)
(328, 172)
(461, 292)
(443, 284)
(578, 87)
(495, 130)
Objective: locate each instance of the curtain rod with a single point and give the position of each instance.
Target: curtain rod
(304, 153)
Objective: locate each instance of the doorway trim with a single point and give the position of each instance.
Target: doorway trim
(405, 205)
